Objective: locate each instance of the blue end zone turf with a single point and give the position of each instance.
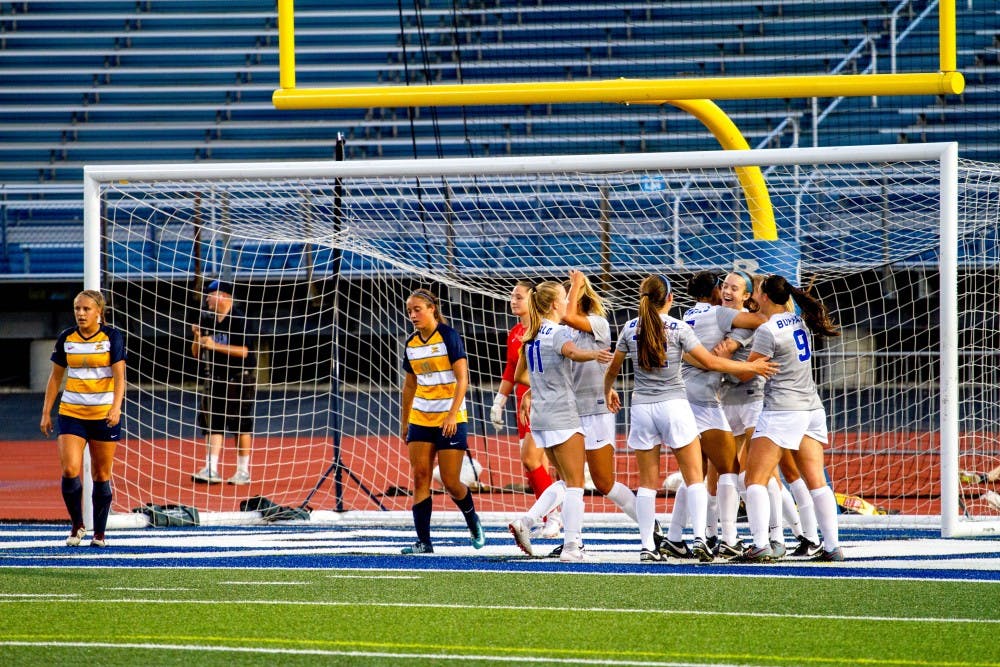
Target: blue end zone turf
(906, 554)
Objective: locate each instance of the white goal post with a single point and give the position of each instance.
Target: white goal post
(900, 241)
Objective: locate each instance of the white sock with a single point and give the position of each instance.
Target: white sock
(212, 462)
(788, 511)
(758, 511)
(243, 464)
(826, 516)
(712, 516)
(572, 513)
(552, 496)
(806, 508)
(678, 517)
(645, 510)
(729, 506)
(775, 525)
(741, 485)
(623, 497)
(697, 502)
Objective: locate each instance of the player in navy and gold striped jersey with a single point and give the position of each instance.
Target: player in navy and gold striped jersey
(92, 357)
(434, 417)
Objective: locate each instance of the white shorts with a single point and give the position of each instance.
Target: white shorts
(598, 430)
(787, 428)
(546, 439)
(668, 423)
(742, 416)
(709, 418)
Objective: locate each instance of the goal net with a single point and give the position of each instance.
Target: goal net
(900, 242)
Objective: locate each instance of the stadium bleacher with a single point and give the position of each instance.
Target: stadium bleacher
(179, 80)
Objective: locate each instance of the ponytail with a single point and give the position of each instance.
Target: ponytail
(814, 312)
(540, 300)
(651, 339)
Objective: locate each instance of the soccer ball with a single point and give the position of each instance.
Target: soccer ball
(673, 482)
(471, 475)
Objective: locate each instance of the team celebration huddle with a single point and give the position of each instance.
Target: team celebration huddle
(728, 388)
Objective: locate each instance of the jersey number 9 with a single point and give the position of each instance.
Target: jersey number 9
(802, 344)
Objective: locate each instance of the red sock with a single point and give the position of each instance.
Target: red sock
(539, 479)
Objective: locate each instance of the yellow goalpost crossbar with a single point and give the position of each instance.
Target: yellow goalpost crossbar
(947, 81)
(692, 95)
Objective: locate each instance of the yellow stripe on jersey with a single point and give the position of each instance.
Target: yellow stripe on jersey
(435, 381)
(89, 390)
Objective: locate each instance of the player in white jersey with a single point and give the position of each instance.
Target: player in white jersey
(742, 402)
(585, 314)
(661, 414)
(711, 323)
(793, 416)
(546, 366)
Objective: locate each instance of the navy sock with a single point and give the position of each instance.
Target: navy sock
(101, 496)
(72, 492)
(422, 520)
(468, 508)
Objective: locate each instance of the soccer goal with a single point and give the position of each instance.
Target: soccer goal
(900, 241)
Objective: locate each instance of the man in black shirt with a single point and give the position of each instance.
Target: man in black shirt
(225, 342)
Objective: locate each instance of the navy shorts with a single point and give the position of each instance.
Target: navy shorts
(228, 405)
(91, 430)
(432, 434)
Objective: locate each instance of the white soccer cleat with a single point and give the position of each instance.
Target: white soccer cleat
(522, 535)
(76, 536)
(575, 553)
(553, 525)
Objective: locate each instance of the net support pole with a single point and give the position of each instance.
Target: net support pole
(949, 427)
(91, 280)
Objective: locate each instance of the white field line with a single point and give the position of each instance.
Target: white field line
(423, 657)
(531, 608)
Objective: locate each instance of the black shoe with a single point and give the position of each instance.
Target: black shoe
(658, 536)
(701, 551)
(675, 549)
(806, 549)
(418, 548)
(730, 551)
(754, 554)
(832, 556)
(555, 553)
(713, 544)
(647, 556)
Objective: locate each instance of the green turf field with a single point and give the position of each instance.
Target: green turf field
(126, 616)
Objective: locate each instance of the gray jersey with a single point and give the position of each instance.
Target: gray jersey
(552, 404)
(734, 392)
(588, 376)
(660, 384)
(785, 340)
(710, 324)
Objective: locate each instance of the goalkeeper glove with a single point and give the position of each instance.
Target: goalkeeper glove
(496, 412)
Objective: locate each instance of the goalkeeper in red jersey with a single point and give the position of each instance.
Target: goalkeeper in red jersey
(532, 457)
